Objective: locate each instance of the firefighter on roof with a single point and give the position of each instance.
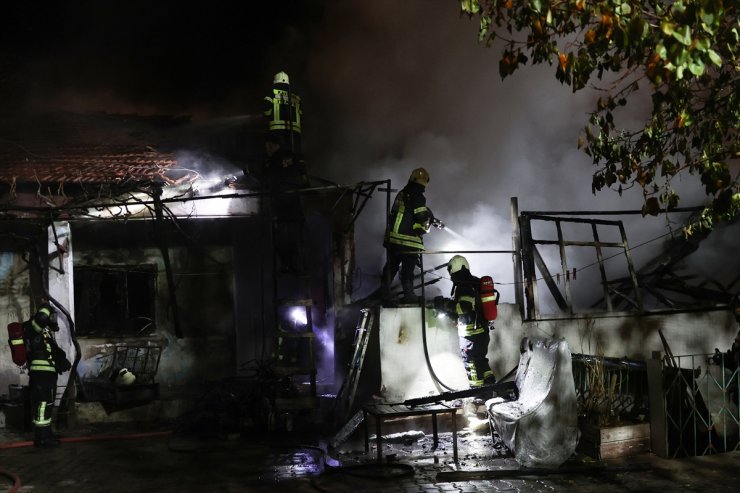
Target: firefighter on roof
(472, 326)
(283, 110)
(45, 360)
(410, 219)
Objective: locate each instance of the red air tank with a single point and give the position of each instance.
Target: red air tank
(17, 344)
(489, 298)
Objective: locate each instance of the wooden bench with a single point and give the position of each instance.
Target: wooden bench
(384, 412)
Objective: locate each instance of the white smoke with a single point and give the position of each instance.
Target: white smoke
(407, 84)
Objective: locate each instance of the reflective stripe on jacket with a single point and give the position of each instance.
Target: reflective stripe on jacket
(409, 218)
(284, 110)
(40, 352)
(467, 322)
(42, 365)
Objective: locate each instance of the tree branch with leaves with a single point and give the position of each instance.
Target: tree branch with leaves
(680, 55)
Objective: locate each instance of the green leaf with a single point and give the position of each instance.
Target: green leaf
(624, 9)
(677, 55)
(696, 67)
(470, 6)
(678, 7)
(485, 25)
(667, 27)
(536, 5)
(701, 44)
(683, 35)
(661, 51)
(714, 57)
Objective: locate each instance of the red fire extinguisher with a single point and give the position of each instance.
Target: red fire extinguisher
(489, 298)
(17, 344)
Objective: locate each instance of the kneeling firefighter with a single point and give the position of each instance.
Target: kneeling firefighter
(45, 360)
(472, 323)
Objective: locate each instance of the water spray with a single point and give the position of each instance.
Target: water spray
(457, 235)
(454, 233)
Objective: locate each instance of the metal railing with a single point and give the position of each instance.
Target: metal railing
(610, 391)
(701, 395)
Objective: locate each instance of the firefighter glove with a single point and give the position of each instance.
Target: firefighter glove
(439, 302)
(61, 363)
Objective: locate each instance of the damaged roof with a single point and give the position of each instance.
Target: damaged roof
(98, 148)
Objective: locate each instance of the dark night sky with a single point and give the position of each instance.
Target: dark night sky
(387, 86)
(202, 58)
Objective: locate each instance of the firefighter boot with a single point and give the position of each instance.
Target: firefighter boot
(409, 297)
(43, 437)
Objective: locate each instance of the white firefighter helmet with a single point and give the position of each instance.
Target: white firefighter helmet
(281, 78)
(125, 377)
(420, 176)
(456, 263)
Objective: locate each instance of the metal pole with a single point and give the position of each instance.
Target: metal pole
(387, 231)
(517, 246)
(157, 196)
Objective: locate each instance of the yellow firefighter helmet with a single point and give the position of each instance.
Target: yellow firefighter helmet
(456, 263)
(420, 176)
(125, 377)
(281, 78)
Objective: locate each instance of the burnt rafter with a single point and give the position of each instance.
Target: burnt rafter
(660, 275)
(362, 192)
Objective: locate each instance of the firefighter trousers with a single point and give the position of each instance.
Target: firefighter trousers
(42, 389)
(405, 262)
(474, 351)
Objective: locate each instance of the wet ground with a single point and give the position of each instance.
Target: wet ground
(127, 460)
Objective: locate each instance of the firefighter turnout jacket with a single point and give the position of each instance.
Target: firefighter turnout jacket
(410, 218)
(283, 108)
(44, 355)
(465, 305)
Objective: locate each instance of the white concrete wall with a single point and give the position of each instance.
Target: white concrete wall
(15, 287)
(403, 367)
(206, 356)
(635, 337)
(405, 375)
(61, 289)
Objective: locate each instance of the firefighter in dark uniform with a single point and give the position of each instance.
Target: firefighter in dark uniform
(45, 360)
(472, 328)
(283, 110)
(409, 220)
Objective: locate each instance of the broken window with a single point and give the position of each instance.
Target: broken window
(114, 301)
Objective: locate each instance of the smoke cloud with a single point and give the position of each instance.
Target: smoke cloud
(407, 84)
(387, 86)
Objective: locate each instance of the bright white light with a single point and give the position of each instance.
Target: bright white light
(441, 315)
(298, 315)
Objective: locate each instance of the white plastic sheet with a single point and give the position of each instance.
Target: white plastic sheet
(541, 426)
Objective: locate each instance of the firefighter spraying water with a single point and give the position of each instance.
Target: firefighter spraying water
(455, 234)
(409, 220)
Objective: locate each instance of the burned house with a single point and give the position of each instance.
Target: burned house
(156, 265)
(160, 267)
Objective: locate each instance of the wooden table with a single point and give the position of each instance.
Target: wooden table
(383, 412)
